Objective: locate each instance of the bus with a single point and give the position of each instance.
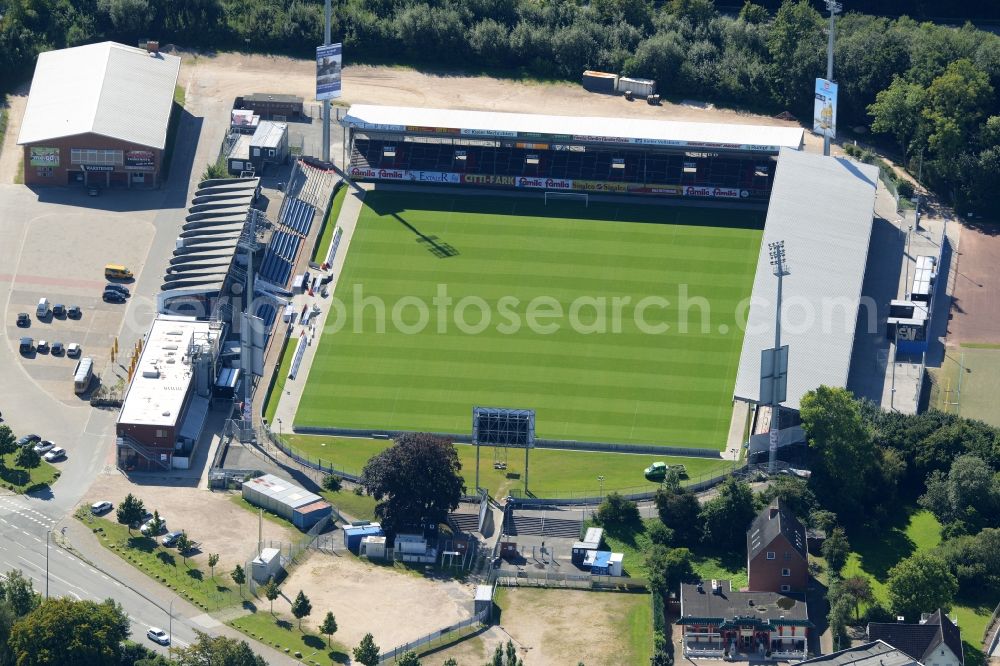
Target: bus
(84, 373)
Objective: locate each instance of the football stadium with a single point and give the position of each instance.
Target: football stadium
(613, 275)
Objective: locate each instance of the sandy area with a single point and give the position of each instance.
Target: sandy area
(10, 153)
(568, 626)
(396, 607)
(211, 519)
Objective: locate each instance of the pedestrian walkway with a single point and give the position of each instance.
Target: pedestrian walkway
(289, 400)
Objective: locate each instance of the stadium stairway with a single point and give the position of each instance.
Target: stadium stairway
(535, 526)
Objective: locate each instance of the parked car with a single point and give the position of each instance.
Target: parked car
(120, 288)
(171, 539)
(23, 319)
(113, 297)
(98, 508)
(58, 310)
(73, 350)
(28, 439)
(57, 349)
(147, 528)
(74, 312)
(157, 635)
(55, 455)
(44, 446)
(27, 345)
(136, 524)
(656, 472)
(43, 347)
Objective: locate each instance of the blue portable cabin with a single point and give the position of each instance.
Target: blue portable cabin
(353, 534)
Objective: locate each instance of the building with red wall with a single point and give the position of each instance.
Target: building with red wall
(97, 115)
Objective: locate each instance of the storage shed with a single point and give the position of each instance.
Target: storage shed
(303, 508)
(484, 598)
(353, 534)
(266, 565)
(591, 542)
(269, 144)
(604, 563)
(639, 87)
(372, 547)
(602, 82)
(270, 105)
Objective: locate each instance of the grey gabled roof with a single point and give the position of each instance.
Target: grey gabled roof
(876, 653)
(774, 520)
(919, 640)
(822, 208)
(108, 89)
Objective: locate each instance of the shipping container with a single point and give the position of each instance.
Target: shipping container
(602, 82)
(639, 87)
(353, 534)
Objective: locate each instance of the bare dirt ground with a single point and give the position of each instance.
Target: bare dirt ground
(975, 310)
(569, 626)
(396, 607)
(211, 519)
(10, 153)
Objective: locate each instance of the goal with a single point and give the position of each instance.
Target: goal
(572, 196)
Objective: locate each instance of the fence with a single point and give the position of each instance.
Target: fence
(289, 551)
(990, 644)
(318, 464)
(444, 636)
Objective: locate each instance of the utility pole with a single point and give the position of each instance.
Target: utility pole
(326, 102)
(778, 357)
(834, 8)
(48, 533)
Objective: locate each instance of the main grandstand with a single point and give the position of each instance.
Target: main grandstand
(582, 154)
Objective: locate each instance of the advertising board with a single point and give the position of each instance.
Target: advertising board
(715, 192)
(44, 157)
(378, 174)
(825, 108)
(488, 179)
(329, 62)
(435, 177)
(544, 183)
(139, 160)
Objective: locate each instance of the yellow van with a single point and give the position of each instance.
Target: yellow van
(117, 272)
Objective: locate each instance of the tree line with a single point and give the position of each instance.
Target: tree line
(930, 90)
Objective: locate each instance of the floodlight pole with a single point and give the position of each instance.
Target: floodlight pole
(326, 102)
(777, 251)
(834, 8)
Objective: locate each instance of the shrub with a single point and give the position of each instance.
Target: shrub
(905, 188)
(332, 482)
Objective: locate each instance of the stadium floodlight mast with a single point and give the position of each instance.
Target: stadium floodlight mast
(778, 358)
(326, 102)
(834, 8)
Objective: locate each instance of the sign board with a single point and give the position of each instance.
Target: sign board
(139, 160)
(768, 359)
(825, 108)
(498, 426)
(44, 157)
(329, 63)
(97, 167)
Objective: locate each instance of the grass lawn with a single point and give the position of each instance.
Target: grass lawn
(552, 471)
(873, 555)
(323, 242)
(360, 507)
(637, 624)
(975, 396)
(592, 316)
(283, 634)
(21, 480)
(164, 565)
(707, 562)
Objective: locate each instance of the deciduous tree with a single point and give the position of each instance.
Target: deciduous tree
(678, 510)
(65, 631)
(415, 482)
(213, 559)
(726, 517)
(27, 457)
(130, 511)
(329, 626)
(239, 577)
(836, 549)
(271, 592)
(218, 651)
(919, 584)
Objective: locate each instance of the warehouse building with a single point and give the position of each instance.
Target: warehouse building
(168, 400)
(297, 505)
(97, 115)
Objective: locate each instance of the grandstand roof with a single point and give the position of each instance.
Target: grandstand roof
(822, 208)
(583, 129)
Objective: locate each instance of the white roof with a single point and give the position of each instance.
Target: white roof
(584, 129)
(822, 208)
(164, 374)
(108, 89)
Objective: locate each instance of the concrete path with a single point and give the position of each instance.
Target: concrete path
(734, 443)
(284, 416)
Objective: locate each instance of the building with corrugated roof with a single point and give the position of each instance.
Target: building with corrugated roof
(97, 115)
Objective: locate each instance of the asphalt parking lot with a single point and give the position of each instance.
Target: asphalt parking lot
(56, 244)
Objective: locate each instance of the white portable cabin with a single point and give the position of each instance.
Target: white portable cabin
(266, 565)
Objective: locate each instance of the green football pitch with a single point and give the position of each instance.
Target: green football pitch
(615, 323)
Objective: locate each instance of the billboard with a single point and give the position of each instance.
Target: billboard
(715, 192)
(44, 157)
(139, 160)
(825, 109)
(544, 183)
(328, 65)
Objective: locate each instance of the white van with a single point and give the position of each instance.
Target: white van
(43, 307)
